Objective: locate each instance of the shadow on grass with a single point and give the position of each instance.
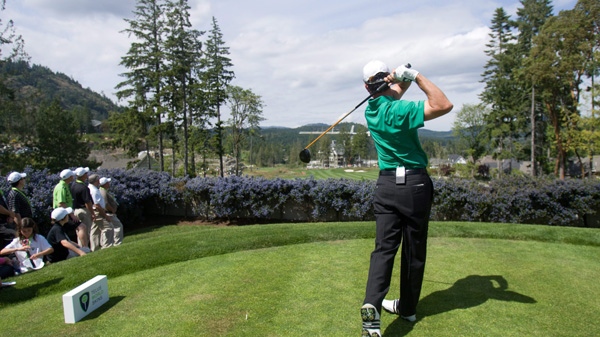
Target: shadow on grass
(104, 308)
(465, 293)
(15, 294)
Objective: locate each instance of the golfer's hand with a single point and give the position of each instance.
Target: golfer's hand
(404, 74)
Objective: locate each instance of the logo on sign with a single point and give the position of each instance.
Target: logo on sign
(84, 301)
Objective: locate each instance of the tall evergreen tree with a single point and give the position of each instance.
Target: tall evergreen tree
(145, 63)
(183, 53)
(501, 92)
(216, 79)
(530, 19)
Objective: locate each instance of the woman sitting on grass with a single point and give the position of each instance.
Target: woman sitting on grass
(29, 246)
(64, 248)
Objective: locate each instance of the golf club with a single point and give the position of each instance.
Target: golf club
(305, 154)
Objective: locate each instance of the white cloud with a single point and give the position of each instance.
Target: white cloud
(304, 58)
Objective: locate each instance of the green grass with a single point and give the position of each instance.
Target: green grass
(355, 173)
(309, 279)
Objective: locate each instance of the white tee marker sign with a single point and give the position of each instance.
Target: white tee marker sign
(86, 298)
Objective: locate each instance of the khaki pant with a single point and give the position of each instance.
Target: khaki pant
(101, 233)
(117, 229)
(86, 219)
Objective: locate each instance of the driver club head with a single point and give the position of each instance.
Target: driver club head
(305, 156)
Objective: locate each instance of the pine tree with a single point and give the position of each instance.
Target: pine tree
(183, 53)
(501, 92)
(145, 63)
(530, 19)
(58, 143)
(216, 79)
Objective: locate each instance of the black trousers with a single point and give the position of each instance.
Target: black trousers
(401, 214)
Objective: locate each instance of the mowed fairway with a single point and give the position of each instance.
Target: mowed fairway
(354, 173)
(308, 280)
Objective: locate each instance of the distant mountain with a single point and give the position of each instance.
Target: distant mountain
(36, 84)
(424, 133)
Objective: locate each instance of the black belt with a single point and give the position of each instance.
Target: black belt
(392, 172)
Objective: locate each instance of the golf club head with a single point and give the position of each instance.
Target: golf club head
(305, 156)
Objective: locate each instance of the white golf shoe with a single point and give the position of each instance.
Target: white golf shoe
(393, 307)
(371, 325)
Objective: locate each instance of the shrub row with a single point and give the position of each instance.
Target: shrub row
(510, 200)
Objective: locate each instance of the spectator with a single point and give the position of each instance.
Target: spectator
(62, 197)
(82, 203)
(102, 233)
(111, 210)
(6, 268)
(6, 218)
(17, 201)
(29, 246)
(63, 247)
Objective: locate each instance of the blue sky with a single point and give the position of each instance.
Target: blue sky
(303, 57)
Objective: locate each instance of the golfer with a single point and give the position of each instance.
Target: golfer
(404, 192)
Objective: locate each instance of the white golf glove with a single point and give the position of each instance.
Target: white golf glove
(405, 74)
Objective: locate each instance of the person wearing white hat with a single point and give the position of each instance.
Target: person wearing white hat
(17, 201)
(6, 218)
(403, 198)
(61, 197)
(64, 248)
(82, 203)
(111, 210)
(102, 232)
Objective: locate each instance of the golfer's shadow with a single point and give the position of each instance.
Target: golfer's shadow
(465, 293)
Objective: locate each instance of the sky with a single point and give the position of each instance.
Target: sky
(304, 58)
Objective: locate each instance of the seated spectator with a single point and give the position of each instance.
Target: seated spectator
(6, 268)
(64, 248)
(29, 246)
(6, 218)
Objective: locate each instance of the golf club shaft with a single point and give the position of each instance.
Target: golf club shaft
(381, 87)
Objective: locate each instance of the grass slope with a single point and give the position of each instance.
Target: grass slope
(308, 279)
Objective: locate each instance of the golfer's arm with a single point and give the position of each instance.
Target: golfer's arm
(437, 104)
(404, 87)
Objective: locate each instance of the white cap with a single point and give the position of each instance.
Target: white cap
(104, 180)
(66, 174)
(80, 171)
(15, 176)
(373, 68)
(60, 213)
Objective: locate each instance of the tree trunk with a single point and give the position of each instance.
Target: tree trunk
(220, 145)
(533, 162)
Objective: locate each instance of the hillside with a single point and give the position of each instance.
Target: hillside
(36, 84)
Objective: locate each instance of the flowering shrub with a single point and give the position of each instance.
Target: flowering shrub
(516, 200)
(140, 192)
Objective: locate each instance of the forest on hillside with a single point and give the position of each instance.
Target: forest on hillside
(535, 106)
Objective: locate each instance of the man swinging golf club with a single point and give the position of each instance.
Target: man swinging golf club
(404, 193)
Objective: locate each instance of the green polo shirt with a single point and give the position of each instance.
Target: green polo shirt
(62, 193)
(393, 125)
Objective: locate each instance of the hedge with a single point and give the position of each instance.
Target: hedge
(513, 199)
